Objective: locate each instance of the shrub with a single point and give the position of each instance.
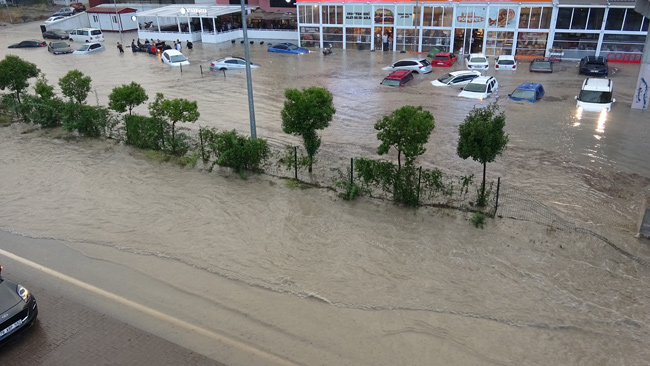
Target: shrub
(90, 121)
(478, 219)
(143, 132)
(239, 152)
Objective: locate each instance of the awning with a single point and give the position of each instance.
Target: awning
(193, 11)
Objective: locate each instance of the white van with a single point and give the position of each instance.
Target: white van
(596, 95)
(87, 35)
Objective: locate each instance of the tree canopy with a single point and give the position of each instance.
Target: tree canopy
(304, 113)
(481, 136)
(406, 129)
(172, 111)
(14, 73)
(75, 86)
(127, 97)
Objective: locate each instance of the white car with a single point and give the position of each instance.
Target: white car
(477, 61)
(53, 19)
(505, 62)
(457, 78)
(174, 58)
(230, 63)
(89, 48)
(596, 95)
(419, 65)
(480, 88)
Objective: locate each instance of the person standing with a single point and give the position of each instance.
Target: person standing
(178, 45)
(384, 40)
(119, 47)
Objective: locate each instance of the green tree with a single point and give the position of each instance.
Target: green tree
(482, 138)
(46, 108)
(305, 112)
(172, 111)
(127, 96)
(75, 86)
(14, 73)
(407, 130)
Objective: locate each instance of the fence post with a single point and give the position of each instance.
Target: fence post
(351, 171)
(201, 67)
(419, 180)
(496, 204)
(181, 68)
(201, 139)
(295, 162)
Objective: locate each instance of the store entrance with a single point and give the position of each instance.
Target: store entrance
(468, 40)
(379, 33)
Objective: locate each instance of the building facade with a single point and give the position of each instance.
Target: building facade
(553, 28)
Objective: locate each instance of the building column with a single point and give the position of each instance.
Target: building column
(641, 99)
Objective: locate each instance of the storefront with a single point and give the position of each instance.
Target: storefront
(564, 28)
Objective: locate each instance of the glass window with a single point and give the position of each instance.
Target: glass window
(633, 20)
(499, 43)
(623, 43)
(310, 36)
(427, 20)
(646, 22)
(332, 14)
(615, 19)
(545, 22)
(333, 35)
(531, 43)
(524, 18)
(579, 19)
(564, 18)
(437, 38)
(308, 14)
(596, 16)
(447, 16)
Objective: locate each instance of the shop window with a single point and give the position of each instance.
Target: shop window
(355, 37)
(332, 14)
(447, 16)
(438, 38)
(501, 17)
(545, 22)
(579, 18)
(499, 43)
(427, 17)
(615, 19)
(596, 16)
(622, 43)
(438, 16)
(309, 36)
(406, 39)
(633, 21)
(308, 14)
(564, 18)
(535, 18)
(334, 36)
(531, 43)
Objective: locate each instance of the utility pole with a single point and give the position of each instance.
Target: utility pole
(249, 83)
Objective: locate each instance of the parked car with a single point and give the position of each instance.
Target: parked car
(29, 43)
(531, 92)
(66, 12)
(287, 48)
(89, 48)
(419, 65)
(505, 62)
(398, 78)
(56, 34)
(230, 63)
(18, 308)
(443, 59)
(480, 88)
(594, 65)
(543, 65)
(174, 58)
(59, 48)
(596, 95)
(53, 19)
(87, 35)
(477, 61)
(457, 78)
(78, 7)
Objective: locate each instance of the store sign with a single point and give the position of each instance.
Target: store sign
(196, 11)
(356, 15)
(384, 16)
(470, 15)
(309, 30)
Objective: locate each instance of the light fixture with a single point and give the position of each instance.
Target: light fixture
(134, 18)
(183, 11)
(288, 1)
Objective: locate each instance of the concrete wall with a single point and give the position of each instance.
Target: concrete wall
(79, 20)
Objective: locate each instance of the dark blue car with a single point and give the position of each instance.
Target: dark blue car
(287, 48)
(527, 91)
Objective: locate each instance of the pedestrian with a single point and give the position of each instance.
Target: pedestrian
(390, 41)
(119, 47)
(146, 41)
(178, 45)
(189, 45)
(378, 41)
(134, 48)
(384, 40)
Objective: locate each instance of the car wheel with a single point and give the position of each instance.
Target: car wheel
(222, 69)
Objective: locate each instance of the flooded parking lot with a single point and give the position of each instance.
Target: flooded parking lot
(513, 293)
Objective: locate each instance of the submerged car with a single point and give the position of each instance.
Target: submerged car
(398, 78)
(457, 78)
(531, 92)
(54, 19)
(66, 12)
(596, 95)
(174, 58)
(477, 61)
(55, 34)
(287, 48)
(89, 48)
(543, 65)
(18, 309)
(419, 65)
(505, 62)
(59, 48)
(230, 63)
(480, 88)
(443, 59)
(594, 65)
(29, 43)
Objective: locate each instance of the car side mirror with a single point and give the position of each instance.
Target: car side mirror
(614, 100)
(509, 95)
(576, 97)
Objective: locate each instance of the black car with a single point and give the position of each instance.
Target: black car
(66, 12)
(59, 48)
(30, 43)
(594, 65)
(56, 34)
(18, 309)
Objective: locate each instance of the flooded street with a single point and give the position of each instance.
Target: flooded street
(416, 287)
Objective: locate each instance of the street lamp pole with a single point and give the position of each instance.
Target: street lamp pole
(119, 21)
(249, 83)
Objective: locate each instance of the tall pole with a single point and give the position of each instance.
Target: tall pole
(249, 83)
(8, 12)
(119, 21)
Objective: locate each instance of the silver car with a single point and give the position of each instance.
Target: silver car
(457, 78)
(230, 63)
(419, 65)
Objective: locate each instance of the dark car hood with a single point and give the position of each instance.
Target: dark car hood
(8, 296)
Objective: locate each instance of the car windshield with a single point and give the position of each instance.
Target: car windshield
(541, 65)
(591, 96)
(441, 58)
(177, 58)
(523, 94)
(83, 47)
(478, 60)
(425, 62)
(595, 64)
(475, 88)
(445, 79)
(59, 45)
(390, 82)
(292, 47)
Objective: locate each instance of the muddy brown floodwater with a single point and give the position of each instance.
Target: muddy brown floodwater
(438, 290)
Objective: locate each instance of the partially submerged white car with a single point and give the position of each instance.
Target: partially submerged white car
(174, 58)
(89, 48)
(477, 61)
(480, 88)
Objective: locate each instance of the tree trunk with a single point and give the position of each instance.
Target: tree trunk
(174, 142)
(483, 184)
(399, 160)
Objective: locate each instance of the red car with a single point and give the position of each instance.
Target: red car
(443, 59)
(398, 78)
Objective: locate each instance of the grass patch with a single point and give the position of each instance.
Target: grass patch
(159, 156)
(294, 184)
(478, 219)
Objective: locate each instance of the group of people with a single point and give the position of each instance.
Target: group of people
(153, 47)
(386, 40)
